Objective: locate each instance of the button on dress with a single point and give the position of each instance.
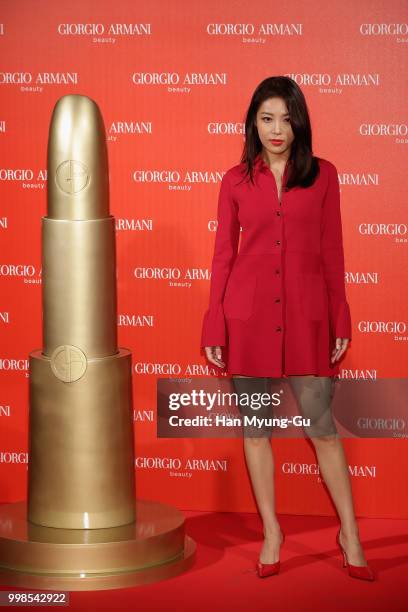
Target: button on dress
(277, 303)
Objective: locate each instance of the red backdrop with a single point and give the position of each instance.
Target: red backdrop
(173, 80)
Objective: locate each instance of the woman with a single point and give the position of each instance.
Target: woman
(278, 306)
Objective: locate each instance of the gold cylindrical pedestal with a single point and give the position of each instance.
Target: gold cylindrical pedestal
(153, 548)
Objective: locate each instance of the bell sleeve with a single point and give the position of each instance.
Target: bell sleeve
(225, 251)
(333, 258)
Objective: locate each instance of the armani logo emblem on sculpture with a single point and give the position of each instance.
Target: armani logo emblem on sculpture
(68, 363)
(72, 176)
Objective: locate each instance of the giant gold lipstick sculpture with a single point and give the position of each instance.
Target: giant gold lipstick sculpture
(81, 469)
(82, 527)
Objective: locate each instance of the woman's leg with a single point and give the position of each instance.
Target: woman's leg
(260, 463)
(314, 395)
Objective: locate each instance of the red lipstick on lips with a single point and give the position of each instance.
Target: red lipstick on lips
(276, 142)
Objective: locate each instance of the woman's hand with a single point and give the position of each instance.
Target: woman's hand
(341, 346)
(213, 354)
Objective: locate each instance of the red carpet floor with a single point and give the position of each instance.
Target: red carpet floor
(311, 578)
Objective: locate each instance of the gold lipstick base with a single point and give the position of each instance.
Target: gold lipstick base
(155, 547)
(81, 472)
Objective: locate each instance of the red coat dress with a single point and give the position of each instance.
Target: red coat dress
(277, 305)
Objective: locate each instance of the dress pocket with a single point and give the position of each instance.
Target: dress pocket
(239, 297)
(313, 298)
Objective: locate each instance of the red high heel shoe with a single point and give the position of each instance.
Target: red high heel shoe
(269, 569)
(364, 572)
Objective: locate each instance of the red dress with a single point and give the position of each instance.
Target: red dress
(278, 304)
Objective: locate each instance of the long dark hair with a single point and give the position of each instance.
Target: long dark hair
(304, 167)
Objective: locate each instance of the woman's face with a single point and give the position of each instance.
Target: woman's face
(272, 122)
